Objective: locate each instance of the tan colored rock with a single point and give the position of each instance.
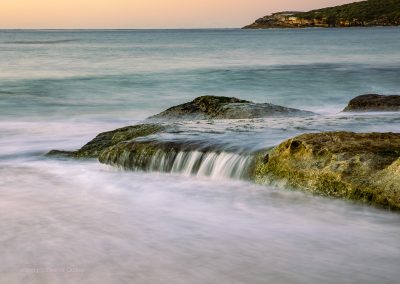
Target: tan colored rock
(357, 166)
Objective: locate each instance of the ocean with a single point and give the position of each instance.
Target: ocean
(67, 221)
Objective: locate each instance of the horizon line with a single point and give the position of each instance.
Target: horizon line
(49, 29)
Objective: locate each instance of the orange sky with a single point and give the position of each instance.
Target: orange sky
(144, 13)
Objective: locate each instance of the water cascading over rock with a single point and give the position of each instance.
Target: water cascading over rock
(186, 159)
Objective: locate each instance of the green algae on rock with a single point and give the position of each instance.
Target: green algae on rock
(110, 138)
(356, 166)
(138, 154)
(214, 107)
(184, 157)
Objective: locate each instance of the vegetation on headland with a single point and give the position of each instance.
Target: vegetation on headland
(364, 13)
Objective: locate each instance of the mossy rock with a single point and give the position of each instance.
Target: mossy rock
(108, 139)
(356, 166)
(153, 155)
(214, 107)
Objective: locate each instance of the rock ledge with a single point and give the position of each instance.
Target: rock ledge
(357, 166)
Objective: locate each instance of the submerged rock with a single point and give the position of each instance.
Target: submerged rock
(213, 107)
(356, 166)
(110, 138)
(60, 154)
(373, 102)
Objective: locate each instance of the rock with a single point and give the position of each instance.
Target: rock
(281, 20)
(107, 139)
(357, 166)
(143, 155)
(60, 154)
(212, 107)
(373, 102)
(179, 156)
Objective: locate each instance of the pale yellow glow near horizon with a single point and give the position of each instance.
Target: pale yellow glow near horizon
(145, 13)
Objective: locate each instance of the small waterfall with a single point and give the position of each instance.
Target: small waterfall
(188, 162)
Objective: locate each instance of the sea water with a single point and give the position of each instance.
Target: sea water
(84, 222)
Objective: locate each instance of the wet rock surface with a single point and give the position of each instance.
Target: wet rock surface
(213, 107)
(374, 102)
(178, 157)
(357, 166)
(110, 138)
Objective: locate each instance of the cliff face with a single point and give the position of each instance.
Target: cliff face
(285, 20)
(366, 13)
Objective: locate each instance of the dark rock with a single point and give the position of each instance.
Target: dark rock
(373, 102)
(212, 107)
(358, 166)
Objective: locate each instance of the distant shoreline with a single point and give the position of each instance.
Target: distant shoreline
(371, 13)
(207, 29)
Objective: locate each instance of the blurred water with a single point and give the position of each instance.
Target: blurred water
(82, 222)
(68, 222)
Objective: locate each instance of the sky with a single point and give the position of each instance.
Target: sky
(18, 14)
